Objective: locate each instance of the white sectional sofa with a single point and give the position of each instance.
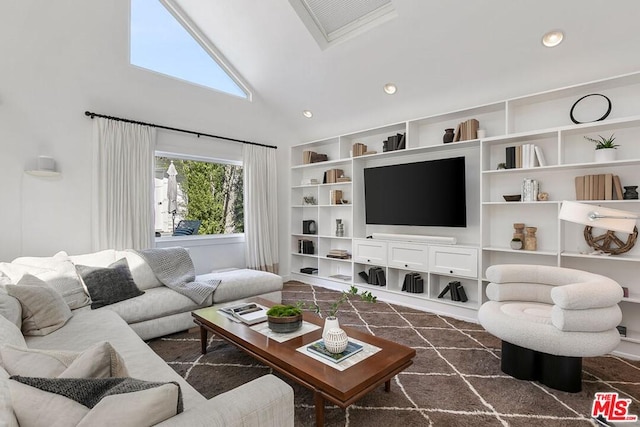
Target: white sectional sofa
(266, 401)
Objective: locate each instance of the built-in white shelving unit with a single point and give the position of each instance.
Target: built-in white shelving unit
(541, 119)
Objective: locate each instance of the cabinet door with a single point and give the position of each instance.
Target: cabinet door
(453, 260)
(408, 256)
(370, 251)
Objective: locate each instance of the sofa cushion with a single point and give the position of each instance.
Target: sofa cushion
(95, 259)
(94, 402)
(10, 334)
(100, 360)
(153, 304)
(10, 307)
(108, 285)
(7, 416)
(43, 309)
(242, 283)
(140, 270)
(57, 271)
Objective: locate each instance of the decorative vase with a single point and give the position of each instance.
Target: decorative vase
(448, 136)
(283, 325)
(329, 323)
(605, 155)
(516, 244)
(630, 192)
(530, 240)
(339, 228)
(336, 340)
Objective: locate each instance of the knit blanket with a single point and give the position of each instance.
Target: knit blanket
(174, 268)
(90, 391)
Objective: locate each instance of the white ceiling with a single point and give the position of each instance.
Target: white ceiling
(443, 55)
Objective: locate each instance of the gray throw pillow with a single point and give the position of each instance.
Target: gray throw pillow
(109, 285)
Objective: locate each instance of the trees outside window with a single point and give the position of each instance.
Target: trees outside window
(208, 191)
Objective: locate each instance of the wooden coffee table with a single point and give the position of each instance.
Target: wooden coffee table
(340, 387)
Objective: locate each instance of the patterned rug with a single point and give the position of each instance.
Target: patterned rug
(455, 379)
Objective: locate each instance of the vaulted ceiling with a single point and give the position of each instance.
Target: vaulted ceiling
(443, 55)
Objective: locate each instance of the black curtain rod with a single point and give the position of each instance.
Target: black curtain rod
(198, 134)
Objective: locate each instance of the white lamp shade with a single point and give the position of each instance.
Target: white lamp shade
(597, 216)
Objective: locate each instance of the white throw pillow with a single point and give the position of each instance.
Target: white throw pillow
(100, 360)
(43, 309)
(10, 334)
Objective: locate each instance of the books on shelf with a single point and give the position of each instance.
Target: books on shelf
(524, 156)
(456, 290)
(331, 176)
(309, 270)
(309, 156)
(335, 197)
(319, 349)
(377, 277)
(598, 187)
(467, 130)
(338, 253)
(413, 283)
(358, 149)
(250, 313)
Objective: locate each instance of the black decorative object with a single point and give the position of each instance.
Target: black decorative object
(448, 136)
(630, 192)
(604, 116)
(309, 227)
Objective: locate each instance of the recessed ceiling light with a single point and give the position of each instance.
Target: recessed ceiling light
(390, 88)
(308, 114)
(552, 38)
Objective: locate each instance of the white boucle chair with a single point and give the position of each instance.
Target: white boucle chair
(548, 318)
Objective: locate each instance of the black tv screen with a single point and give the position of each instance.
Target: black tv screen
(428, 193)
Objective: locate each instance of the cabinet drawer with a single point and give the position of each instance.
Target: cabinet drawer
(408, 255)
(453, 260)
(369, 251)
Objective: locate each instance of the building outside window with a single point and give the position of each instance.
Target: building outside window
(209, 196)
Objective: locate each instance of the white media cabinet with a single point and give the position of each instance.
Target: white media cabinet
(541, 119)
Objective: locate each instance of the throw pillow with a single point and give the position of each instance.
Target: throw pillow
(109, 285)
(57, 271)
(43, 309)
(112, 401)
(10, 334)
(100, 360)
(10, 307)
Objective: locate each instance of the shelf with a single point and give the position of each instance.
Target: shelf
(348, 260)
(631, 337)
(303, 235)
(418, 150)
(305, 206)
(329, 236)
(519, 251)
(304, 255)
(590, 165)
(43, 173)
(617, 258)
(548, 202)
(631, 300)
(336, 206)
(320, 164)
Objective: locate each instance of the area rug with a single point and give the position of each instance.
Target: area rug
(455, 379)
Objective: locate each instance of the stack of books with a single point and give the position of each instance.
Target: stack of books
(524, 156)
(395, 142)
(339, 254)
(467, 130)
(305, 246)
(335, 197)
(377, 277)
(413, 283)
(319, 349)
(598, 187)
(456, 290)
(358, 149)
(331, 176)
(309, 156)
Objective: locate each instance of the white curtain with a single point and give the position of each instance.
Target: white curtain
(122, 200)
(260, 208)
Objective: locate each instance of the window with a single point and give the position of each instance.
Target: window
(168, 43)
(208, 199)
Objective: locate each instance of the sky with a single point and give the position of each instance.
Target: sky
(160, 43)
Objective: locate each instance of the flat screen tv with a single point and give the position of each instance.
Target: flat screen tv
(428, 193)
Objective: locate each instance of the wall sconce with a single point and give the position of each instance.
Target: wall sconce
(46, 167)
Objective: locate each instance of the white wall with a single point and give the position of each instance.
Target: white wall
(60, 58)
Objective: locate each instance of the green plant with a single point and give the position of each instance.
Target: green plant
(284, 311)
(344, 297)
(603, 142)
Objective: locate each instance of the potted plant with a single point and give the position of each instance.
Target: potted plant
(605, 148)
(284, 318)
(516, 243)
(330, 319)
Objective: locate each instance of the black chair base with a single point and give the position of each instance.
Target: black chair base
(562, 373)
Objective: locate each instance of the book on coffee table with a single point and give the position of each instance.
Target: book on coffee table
(319, 349)
(249, 313)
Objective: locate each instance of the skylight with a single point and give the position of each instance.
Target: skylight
(161, 42)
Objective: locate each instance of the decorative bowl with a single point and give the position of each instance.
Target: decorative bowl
(283, 325)
(512, 197)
